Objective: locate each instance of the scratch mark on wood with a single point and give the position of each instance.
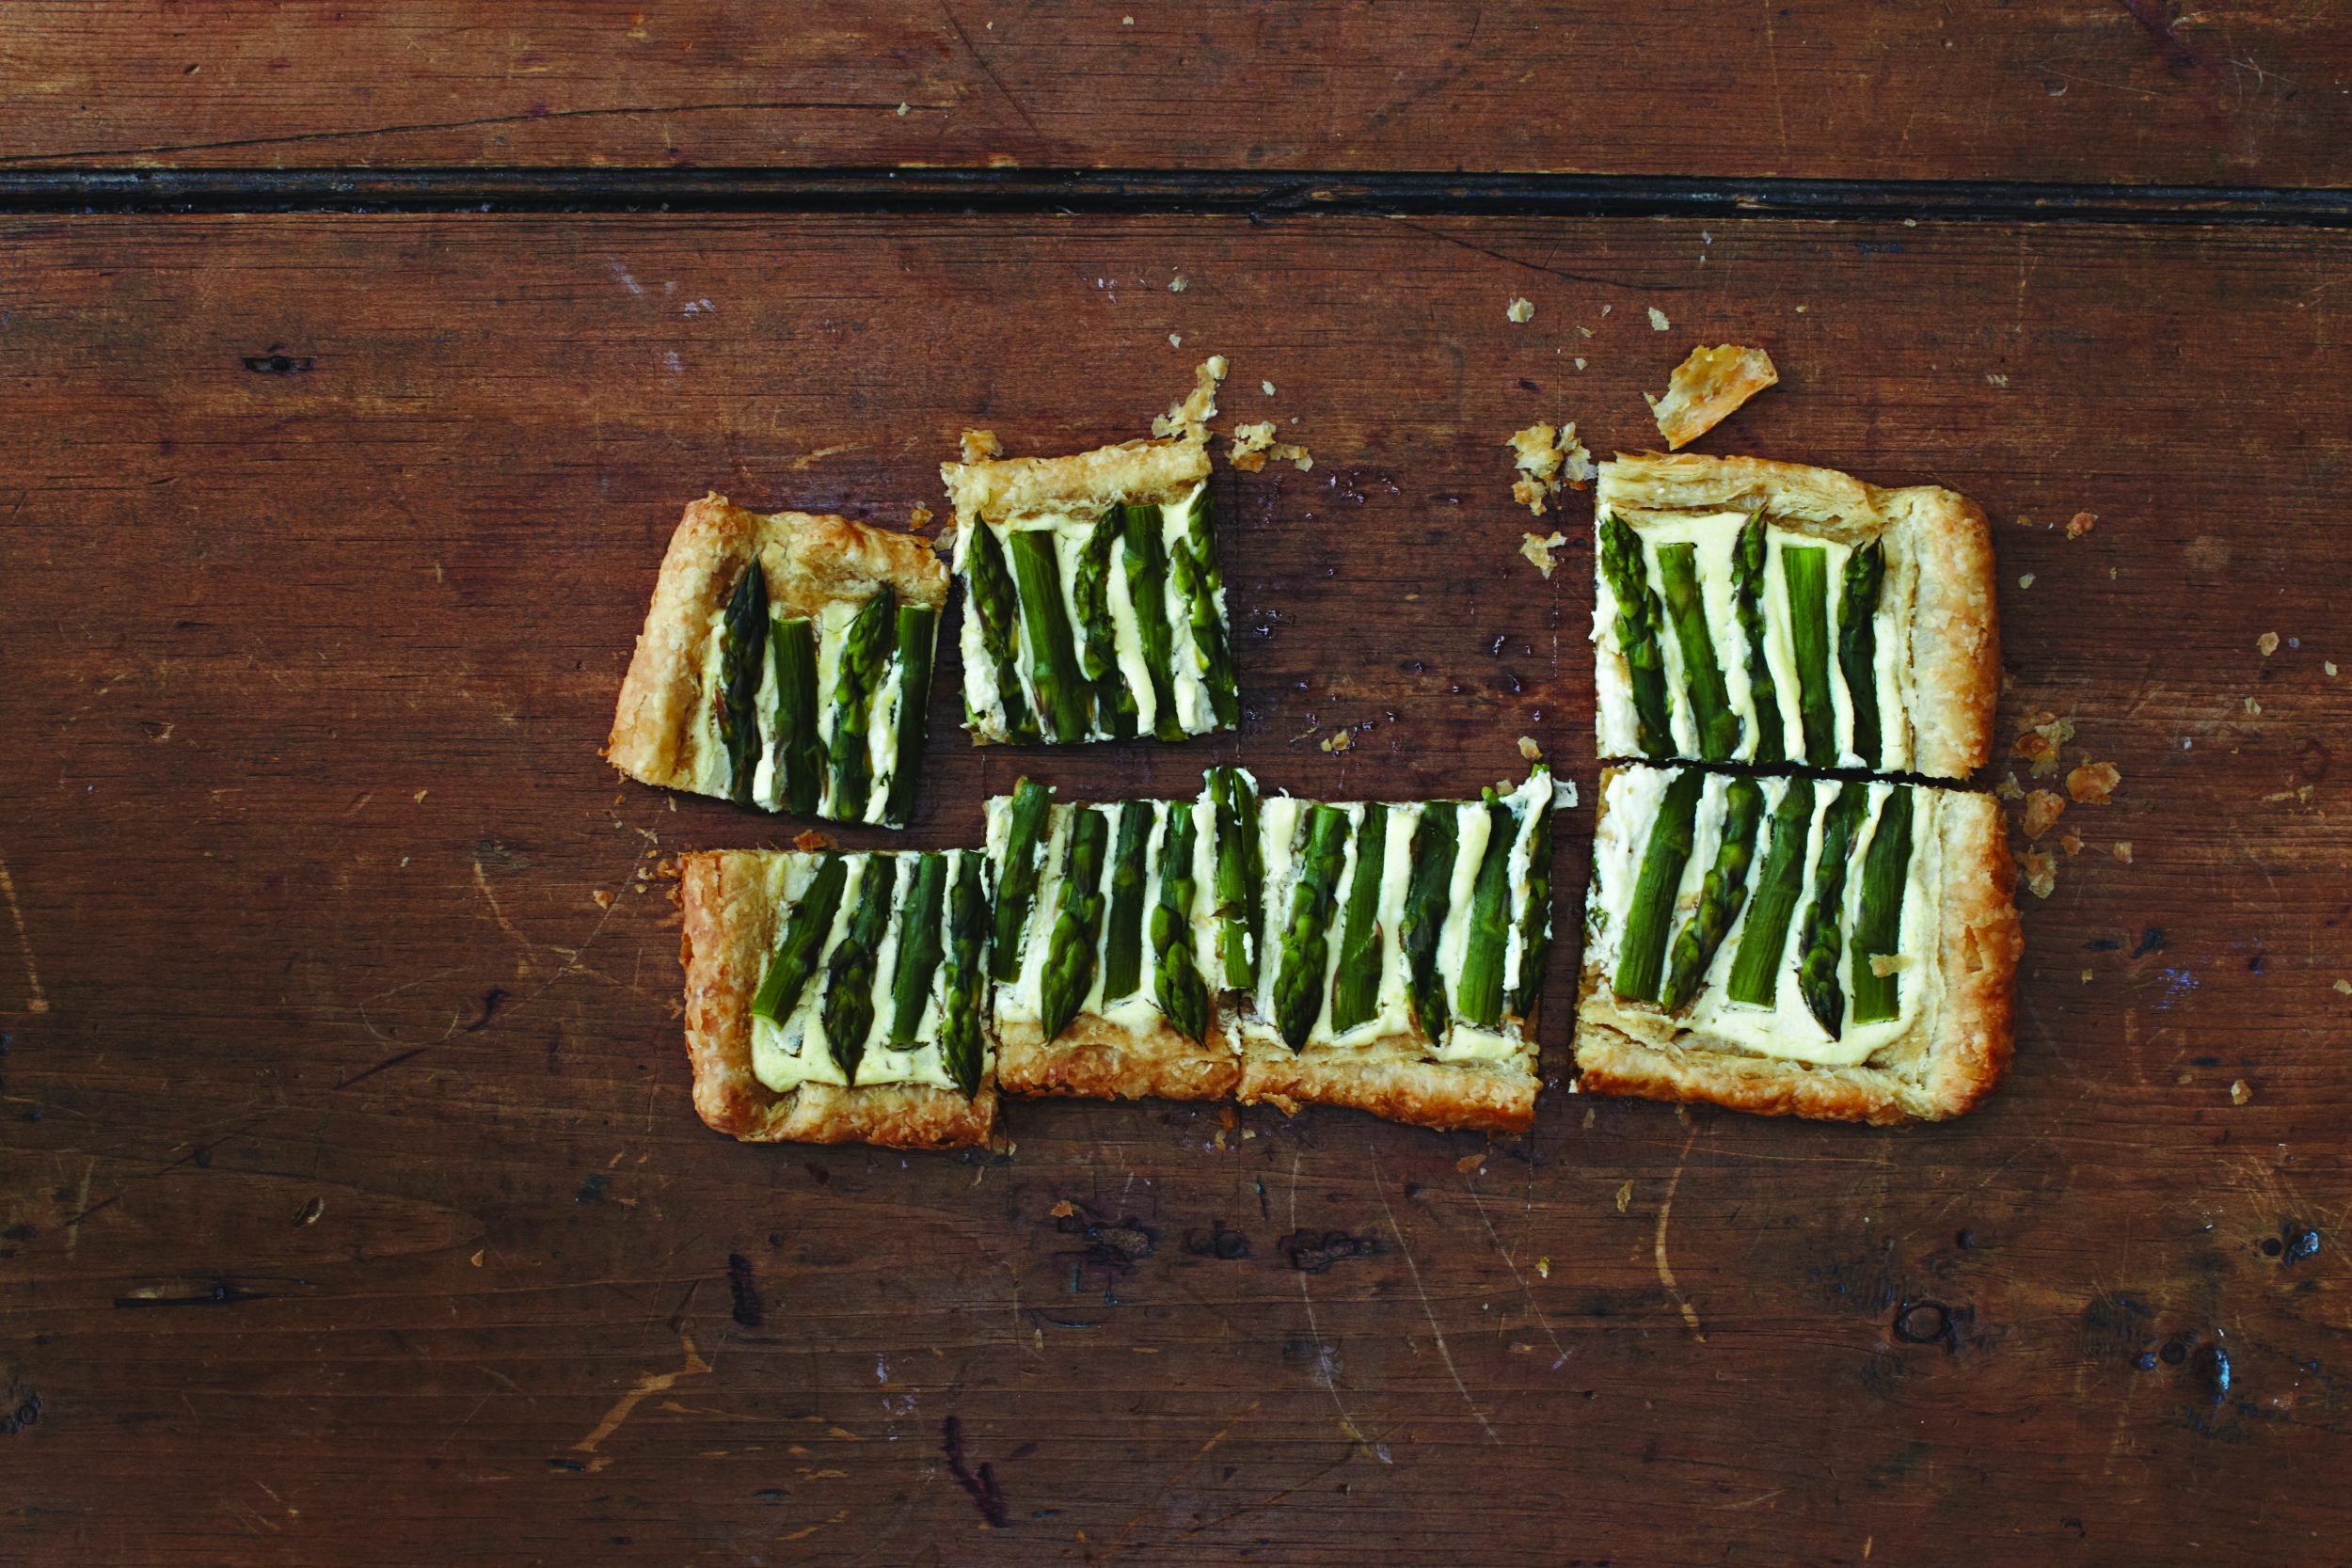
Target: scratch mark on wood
(1560, 1351)
(482, 880)
(1314, 1331)
(1657, 1245)
(647, 1386)
(37, 1000)
(1380, 1186)
(989, 70)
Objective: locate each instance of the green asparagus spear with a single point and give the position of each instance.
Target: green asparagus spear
(1755, 976)
(799, 755)
(1717, 726)
(1535, 920)
(1240, 876)
(865, 650)
(804, 933)
(1858, 644)
(997, 604)
(1062, 692)
(1146, 561)
(1747, 579)
(1069, 971)
(1640, 630)
(967, 941)
(1356, 985)
(1193, 567)
(1817, 971)
(742, 638)
(849, 971)
(1429, 891)
(1304, 947)
(1478, 996)
(918, 948)
(1719, 896)
(1642, 956)
(917, 623)
(1879, 924)
(1805, 568)
(1098, 651)
(1175, 977)
(1016, 880)
(1123, 940)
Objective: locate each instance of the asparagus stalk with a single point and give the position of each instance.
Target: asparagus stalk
(1817, 971)
(865, 650)
(1146, 561)
(799, 755)
(1016, 883)
(1719, 896)
(1879, 924)
(1123, 940)
(849, 971)
(1193, 567)
(1639, 630)
(1478, 996)
(918, 948)
(742, 635)
(1069, 971)
(916, 623)
(1747, 579)
(1641, 958)
(795, 958)
(1304, 948)
(1175, 978)
(998, 603)
(1858, 644)
(1098, 653)
(1356, 985)
(1240, 875)
(1428, 891)
(1717, 726)
(967, 941)
(1755, 967)
(1061, 693)
(1535, 920)
(1804, 569)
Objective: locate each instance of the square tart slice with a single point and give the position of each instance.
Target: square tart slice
(839, 997)
(1757, 612)
(786, 663)
(1105, 942)
(1814, 947)
(1403, 959)
(1097, 603)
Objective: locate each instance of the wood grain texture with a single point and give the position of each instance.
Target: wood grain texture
(355, 1212)
(2237, 92)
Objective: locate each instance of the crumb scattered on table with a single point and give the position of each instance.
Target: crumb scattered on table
(2268, 643)
(1191, 417)
(1520, 309)
(2094, 782)
(1549, 458)
(1538, 549)
(980, 445)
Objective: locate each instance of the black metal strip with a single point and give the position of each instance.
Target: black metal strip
(1143, 192)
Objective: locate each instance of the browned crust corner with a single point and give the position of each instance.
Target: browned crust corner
(1097, 1059)
(724, 948)
(1955, 635)
(1391, 1079)
(1136, 472)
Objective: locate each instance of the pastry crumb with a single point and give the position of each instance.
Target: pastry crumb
(2268, 643)
(1267, 387)
(1538, 549)
(2343, 987)
(1658, 322)
(920, 518)
(1529, 750)
(1706, 390)
(1342, 741)
(1253, 444)
(604, 899)
(2009, 788)
(979, 446)
(2080, 524)
(2094, 782)
(2040, 872)
(1549, 458)
(2026, 581)
(2086, 976)
(1543, 1268)
(809, 840)
(2070, 843)
(1175, 339)
(1883, 964)
(1520, 309)
(1624, 1192)
(1470, 1162)
(1191, 417)
(1179, 283)
(1062, 1210)
(2044, 734)
(2043, 809)
(2240, 1091)
(2124, 851)
(2253, 708)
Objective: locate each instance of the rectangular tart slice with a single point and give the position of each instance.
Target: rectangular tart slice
(1403, 956)
(1096, 603)
(1809, 947)
(838, 998)
(1757, 612)
(786, 663)
(1104, 931)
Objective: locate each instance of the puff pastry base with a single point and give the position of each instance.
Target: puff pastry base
(1098, 1059)
(1392, 1077)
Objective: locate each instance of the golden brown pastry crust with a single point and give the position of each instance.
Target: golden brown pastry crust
(729, 928)
(1136, 474)
(810, 562)
(1098, 1059)
(1951, 680)
(1391, 1077)
(1951, 1062)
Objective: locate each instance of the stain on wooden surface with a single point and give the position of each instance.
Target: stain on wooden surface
(354, 1210)
(2236, 92)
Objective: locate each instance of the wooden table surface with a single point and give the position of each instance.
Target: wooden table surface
(351, 1208)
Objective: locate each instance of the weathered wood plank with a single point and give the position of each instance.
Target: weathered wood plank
(354, 1210)
(2243, 92)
